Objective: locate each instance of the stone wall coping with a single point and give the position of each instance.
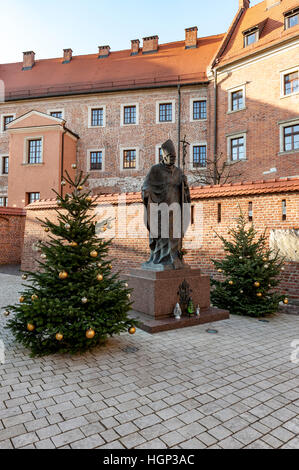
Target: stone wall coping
(12, 211)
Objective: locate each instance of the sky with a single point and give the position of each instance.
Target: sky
(49, 26)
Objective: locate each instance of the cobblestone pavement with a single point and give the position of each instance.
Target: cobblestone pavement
(181, 389)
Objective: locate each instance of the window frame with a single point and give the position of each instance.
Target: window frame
(166, 101)
(126, 148)
(229, 146)
(241, 87)
(282, 126)
(90, 109)
(122, 114)
(5, 200)
(198, 144)
(157, 155)
(26, 150)
(89, 151)
(3, 157)
(288, 16)
(56, 110)
(246, 34)
(192, 101)
(3, 116)
(28, 196)
(283, 73)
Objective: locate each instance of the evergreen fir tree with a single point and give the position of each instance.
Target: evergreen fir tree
(73, 301)
(250, 270)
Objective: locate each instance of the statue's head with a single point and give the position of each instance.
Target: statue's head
(168, 153)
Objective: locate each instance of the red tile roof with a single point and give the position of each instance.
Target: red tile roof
(201, 192)
(272, 31)
(86, 73)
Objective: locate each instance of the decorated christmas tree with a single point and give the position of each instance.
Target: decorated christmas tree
(72, 302)
(250, 271)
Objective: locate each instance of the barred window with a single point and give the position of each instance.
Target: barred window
(199, 109)
(97, 117)
(56, 114)
(129, 114)
(6, 121)
(32, 197)
(5, 165)
(291, 138)
(237, 148)
(199, 156)
(165, 112)
(129, 159)
(3, 201)
(237, 100)
(35, 151)
(291, 83)
(96, 160)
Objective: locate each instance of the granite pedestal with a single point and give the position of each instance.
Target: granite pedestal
(155, 294)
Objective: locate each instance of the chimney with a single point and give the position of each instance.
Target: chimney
(67, 55)
(28, 60)
(244, 4)
(272, 3)
(150, 44)
(135, 46)
(191, 37)
(104, 52)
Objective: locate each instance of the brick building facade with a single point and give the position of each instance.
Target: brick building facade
(234, 96)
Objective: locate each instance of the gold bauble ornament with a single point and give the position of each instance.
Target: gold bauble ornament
(47, 229)
(30, 327)
(73, 244)
(59, 336)
(43, 256)
(230, 283)
(259, 294)
(24, 276)
(90, 333)
(84, 300)
(34, 297)
(89, 199)
(241, 292)
(219, 270)
(240, 257)
(126, 284)
(265, 259)
(93, 253)
(59, 202)
(285, 301)
(129, 296)
(109, 266)
(282, 269)
(100, 277)
(21, 299)
(74, 166)
(99, 265)
(257, 284)
(6, 313)
(132, 330)
(80, 188)
(63, 275)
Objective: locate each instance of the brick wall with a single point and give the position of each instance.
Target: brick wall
(12, 225)
(201, 242)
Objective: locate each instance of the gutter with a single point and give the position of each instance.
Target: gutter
(179, 125)
(215, 126)
(62, 162)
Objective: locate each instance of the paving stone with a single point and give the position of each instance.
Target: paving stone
(282, 434)
(125, 429)
(132, 441)
(73, 423)
(172, 438)
(67, 437)
(247, 435)
(24, 439)
(154, 444)
(230, 443)
(90, 442)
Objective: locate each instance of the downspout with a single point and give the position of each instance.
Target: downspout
(62, 162)
(179, 125)
(215, 127)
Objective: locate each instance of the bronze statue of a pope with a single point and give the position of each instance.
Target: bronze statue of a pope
(166, 197)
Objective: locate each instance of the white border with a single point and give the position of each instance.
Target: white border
(194, 144)
(124, 105)
(229, 139)
(121, 153)
(100, 106)
(2, 121)
(166, 101)
(282, 125)
(26, 147)
(88, 159)
(230, 91)
(199, 98)
(3, 155)
(282, 75)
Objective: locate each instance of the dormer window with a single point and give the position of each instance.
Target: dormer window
(250, 37)
(291, 18)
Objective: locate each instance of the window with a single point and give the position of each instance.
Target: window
(6, 121)
(199, 156)
(192, 215)
(291, 83)
(284, 209)
(165, 112)
(129, 114)
(237, 100)
(219, 213)
(250, 38)
(160, 154)
(3, 201)
(199, 110)
(97, 117)
(32, 197)
(5, 165)
(56, 114)
(250, 213)
(291, 138)
(291, 18)
(35, 151)
(237, 148)
(129, 159)
(96, 160)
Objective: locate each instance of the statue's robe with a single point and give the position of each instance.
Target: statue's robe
(163, 184)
